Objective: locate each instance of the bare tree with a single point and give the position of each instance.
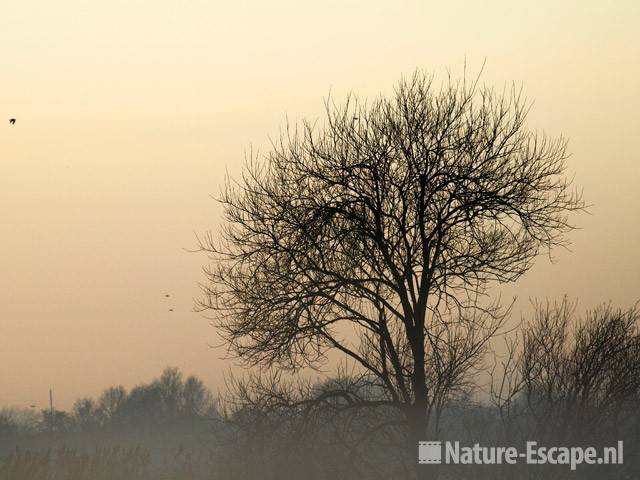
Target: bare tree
(197, 399)
(573, 377)
(86, 414)
(379, 233)
(293, 427)
(171, 389)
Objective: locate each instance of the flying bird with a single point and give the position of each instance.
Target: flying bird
(171, 309)
(12, 121)
(166, 295)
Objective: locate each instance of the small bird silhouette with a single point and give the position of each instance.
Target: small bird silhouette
(12, 121)
(166, 295)
(171, 309)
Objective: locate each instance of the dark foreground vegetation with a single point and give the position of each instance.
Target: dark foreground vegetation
(563, 380)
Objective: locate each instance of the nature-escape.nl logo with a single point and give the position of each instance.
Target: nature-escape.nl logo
(454, 454)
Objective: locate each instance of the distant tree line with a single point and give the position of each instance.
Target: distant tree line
(169, 404)
(167, 399)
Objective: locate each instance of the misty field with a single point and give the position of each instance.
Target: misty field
(102, 464)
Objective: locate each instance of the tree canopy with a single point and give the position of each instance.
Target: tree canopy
(378, 233)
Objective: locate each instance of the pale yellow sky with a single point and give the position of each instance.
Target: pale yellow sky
(130, 112)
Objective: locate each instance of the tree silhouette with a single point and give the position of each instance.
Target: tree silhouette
(111, 403)
(576, 378)
(171, 388)
(379, 233)
(86, 414)
(197, 399)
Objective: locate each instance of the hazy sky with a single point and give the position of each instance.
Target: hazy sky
(130, 112)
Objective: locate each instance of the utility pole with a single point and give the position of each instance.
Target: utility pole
(51, 401)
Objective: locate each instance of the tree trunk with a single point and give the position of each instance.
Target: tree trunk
(418, 431)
